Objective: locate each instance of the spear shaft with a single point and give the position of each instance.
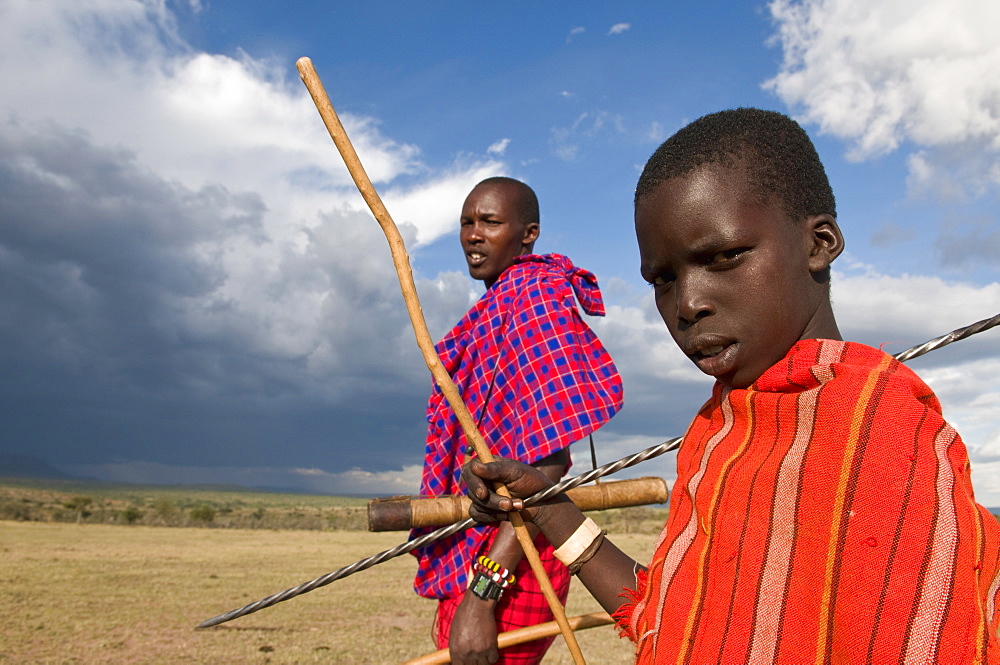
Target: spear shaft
(401, 261)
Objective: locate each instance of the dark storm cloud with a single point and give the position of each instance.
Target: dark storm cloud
(966, 245)
(120, 340)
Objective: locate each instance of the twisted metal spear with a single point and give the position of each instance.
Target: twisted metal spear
(401, 261)
(567, 484)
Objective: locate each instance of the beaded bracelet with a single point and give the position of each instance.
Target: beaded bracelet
(492, 566)
(496, 578)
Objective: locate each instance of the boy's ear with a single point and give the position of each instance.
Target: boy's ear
(826, 241)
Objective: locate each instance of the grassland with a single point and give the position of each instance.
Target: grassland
(116, 592)
(154, 505)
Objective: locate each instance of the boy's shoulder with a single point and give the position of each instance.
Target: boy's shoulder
(847, 372)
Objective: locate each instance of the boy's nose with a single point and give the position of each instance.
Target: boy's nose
(692, 303)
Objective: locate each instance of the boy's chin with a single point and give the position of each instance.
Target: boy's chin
(738, 378)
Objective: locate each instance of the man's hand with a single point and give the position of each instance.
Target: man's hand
(473, 638)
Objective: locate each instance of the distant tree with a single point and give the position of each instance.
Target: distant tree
(202, 514)
(165, 509)
(80, 504)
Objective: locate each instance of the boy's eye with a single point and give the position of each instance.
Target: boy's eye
(726, 256)
(661, 280)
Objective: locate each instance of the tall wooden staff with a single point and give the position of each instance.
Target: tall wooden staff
(401, 261)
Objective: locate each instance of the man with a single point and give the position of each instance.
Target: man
(537, 379)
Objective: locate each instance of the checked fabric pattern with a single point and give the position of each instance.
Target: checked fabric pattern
(535, 377)
(825, 514)
(526, 607)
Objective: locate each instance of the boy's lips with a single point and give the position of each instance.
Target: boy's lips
(475, 258)
(713, 356)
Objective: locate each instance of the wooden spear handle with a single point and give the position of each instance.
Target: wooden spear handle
(401, 261)
(522, 635)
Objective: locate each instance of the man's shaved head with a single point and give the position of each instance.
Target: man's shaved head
(524, 197)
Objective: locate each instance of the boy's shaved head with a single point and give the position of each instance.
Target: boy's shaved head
(780, 161)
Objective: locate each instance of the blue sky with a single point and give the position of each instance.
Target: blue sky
(192, 291)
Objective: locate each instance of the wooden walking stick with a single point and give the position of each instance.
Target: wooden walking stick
(401, 261)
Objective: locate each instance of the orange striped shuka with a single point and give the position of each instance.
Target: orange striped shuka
(825, 514)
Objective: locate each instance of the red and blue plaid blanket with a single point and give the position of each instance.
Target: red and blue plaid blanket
(535, 377)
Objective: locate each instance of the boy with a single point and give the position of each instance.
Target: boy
(537, 379)
(823, 510)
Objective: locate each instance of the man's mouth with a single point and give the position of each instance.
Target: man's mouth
(475, 258)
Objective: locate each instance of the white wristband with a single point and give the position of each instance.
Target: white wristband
(581, 539)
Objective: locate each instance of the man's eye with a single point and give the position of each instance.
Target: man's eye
(661, 280)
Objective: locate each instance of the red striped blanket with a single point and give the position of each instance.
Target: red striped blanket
(825, 514)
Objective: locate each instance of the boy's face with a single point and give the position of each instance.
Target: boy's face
(493, 231)
(736, 281)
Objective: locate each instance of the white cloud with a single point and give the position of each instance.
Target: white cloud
(902, 311)
(879, 74)
(656, 133)
(193, 117)
(619, 28)
(432, 207)
(573, 32)
(882, 72)
(566, 141)
(499, 148)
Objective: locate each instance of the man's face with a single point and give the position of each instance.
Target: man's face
(731, 275)
(493, 231)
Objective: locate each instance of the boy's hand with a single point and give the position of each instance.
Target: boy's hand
(522, 480)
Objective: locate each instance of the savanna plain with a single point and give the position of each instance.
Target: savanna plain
(123, 574)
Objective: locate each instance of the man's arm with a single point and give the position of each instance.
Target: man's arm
(606, 575)
(473, 629)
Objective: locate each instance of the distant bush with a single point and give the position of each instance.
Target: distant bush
(165, 509)
(18, 511)
(202, 513)
(130, 515)
(169, 507)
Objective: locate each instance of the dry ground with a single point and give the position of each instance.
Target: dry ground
(87, 593)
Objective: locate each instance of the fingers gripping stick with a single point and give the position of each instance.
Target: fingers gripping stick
(401, 262)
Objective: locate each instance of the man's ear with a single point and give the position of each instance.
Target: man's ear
(826, 242)
(531, 232)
